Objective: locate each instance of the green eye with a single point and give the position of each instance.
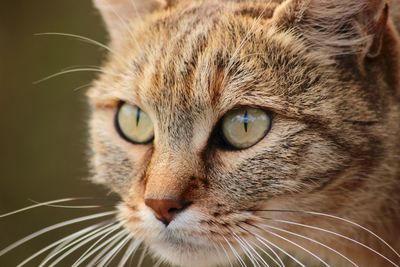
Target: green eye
(245, 127)
(134, 124)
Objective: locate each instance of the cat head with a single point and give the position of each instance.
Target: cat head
(209, 112)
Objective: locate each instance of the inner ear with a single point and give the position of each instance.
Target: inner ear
(117, 14)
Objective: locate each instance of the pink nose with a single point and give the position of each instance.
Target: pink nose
(165, 210)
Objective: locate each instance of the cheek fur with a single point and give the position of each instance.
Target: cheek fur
(115, 162)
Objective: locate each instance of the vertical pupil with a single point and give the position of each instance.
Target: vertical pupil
(138, 113)
(246, 121)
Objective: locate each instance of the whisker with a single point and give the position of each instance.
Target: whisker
(125, 24)
(61, 241)
(158, 263)
(244, 248)
(87, 40)
(238, 257)
(336, 234)
(340, 219)
(255, 251)
(81, 66)
(314, 241)
(266, 253)
(269, 247)
(142, 255)
(225, 252)
(295, 244)
(82, 87)
(62, 245)
(68, 206)
(235, 254)
(90, 251)
(76, 244)
(37, 205)
(262, 240)
(109, 243)
(59, 247)
(53, 227)
(135, 8)
(111, 255)
(129, 252)
(74, 71)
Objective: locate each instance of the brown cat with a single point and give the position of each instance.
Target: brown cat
(257, 128)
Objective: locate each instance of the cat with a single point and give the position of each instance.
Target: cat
(258, 128)
(236, 132)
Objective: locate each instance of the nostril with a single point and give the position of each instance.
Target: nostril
(165, 210)
(173, 210)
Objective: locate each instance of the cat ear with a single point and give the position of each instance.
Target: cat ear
(344, 26)
(118, 13)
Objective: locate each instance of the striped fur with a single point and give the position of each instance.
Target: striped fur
(327, 70)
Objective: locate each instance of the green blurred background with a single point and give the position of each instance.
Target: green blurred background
(43, 127)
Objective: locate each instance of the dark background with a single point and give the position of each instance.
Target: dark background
(43, 127)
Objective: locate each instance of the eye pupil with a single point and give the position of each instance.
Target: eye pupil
(246, 121)
(138, 116)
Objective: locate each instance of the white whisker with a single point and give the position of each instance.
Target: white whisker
(111, 254)
(76, 244)
(53, 227)
(266, 253)
(109, 244)
(82, 87)
(262, 240)
(61, 241)
(68, 206)
(40, 205)
(226, 254)
(340, 219)
(85, 39)
(100, 70)
(269, 248)
(297, 245)
(125, 24)
(142, 255)
(135, 8)
(91, 250)
(158, 263)
(339, 235)
(238, 257)
(255, 251)
(246, 251)
(235, 253)
(129, 252)
(314, 241)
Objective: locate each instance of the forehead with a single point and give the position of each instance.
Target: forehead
(197, 54)
(200, 60)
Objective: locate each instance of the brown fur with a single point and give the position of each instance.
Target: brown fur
(329, 71)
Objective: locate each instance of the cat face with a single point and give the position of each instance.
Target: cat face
(181, 69)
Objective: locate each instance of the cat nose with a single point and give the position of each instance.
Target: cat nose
(165, 210)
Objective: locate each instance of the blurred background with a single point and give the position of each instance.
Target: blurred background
(43, 126)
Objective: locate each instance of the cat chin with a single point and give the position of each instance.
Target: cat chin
(182, 256)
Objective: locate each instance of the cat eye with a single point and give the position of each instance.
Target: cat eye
(134, 125)
(245, 127)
